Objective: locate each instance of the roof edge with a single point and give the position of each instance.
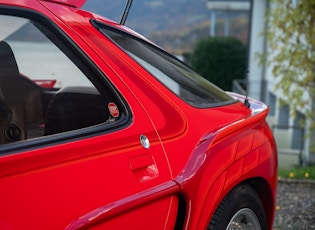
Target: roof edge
(72, 3)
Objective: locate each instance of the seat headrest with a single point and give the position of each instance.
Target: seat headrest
(12, 125)
(8, 66)
(74, 108)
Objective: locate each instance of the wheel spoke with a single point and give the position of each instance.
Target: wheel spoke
(244, 219)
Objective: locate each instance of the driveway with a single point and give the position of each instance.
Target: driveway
(295, 205)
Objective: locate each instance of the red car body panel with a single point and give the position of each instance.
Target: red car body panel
(197, 155)
(71, 3)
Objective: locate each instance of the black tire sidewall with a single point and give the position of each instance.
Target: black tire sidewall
(242, 196)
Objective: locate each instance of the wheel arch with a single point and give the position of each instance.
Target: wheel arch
(264, 192)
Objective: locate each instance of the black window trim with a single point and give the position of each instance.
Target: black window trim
(98, 25)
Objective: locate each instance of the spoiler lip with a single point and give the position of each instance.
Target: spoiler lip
(255, 105)
(73, 3)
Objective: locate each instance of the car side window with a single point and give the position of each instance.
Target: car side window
(175, 75)
(43, 88)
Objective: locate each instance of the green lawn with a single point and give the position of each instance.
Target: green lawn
(297, 173)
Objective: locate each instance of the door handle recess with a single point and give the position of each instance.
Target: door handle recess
(141, 161)
(143, 167)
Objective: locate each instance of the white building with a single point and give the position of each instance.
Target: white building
(293, 148)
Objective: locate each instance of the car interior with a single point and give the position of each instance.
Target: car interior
(28, 110)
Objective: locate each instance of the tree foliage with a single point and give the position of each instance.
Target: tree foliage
(220, 60)
(291, 38)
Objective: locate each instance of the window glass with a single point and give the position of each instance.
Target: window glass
(272, 104)
(284, 116)
(40, 59)
(298, 136)
(175, 75)
(42, 89)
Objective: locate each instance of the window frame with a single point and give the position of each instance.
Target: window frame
(88, 68)
(99, 25)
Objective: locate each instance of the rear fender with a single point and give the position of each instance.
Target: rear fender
(222, 159)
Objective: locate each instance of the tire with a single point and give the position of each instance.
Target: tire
(240, 209)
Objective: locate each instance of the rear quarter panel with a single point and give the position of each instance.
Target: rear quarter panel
(241, 151)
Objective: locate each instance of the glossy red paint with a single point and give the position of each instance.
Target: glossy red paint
(72, 3)
(112, 210)
(45, 83)
(109, 181)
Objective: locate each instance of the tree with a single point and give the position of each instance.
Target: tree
(291, 38)
(220, 60)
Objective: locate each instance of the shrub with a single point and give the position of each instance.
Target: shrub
(220, 60)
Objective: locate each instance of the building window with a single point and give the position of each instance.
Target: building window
(283, 120)
(298, 131)
(272, 104)
(295, 3)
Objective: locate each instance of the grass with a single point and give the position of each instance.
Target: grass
(298, 173)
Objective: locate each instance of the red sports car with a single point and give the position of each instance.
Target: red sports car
(102, 129)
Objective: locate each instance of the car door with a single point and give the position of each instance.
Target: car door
(75, 152)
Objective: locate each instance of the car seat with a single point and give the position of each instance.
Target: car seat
(20, 100)
(12, 116)
(74, 108)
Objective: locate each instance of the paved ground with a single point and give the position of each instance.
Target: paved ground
(295, 205)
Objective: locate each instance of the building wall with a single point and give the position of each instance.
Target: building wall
(257, 45)
(289, 136)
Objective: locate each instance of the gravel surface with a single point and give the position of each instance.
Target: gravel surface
(295, 205)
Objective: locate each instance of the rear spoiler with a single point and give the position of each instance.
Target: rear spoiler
(255, 105)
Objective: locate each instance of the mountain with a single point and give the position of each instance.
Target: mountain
(175, 25)
(149, 16)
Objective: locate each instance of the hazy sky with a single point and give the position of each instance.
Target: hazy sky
(15, 24)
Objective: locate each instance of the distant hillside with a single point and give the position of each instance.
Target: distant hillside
(149, 16)
(183, 41)
(175, 25)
